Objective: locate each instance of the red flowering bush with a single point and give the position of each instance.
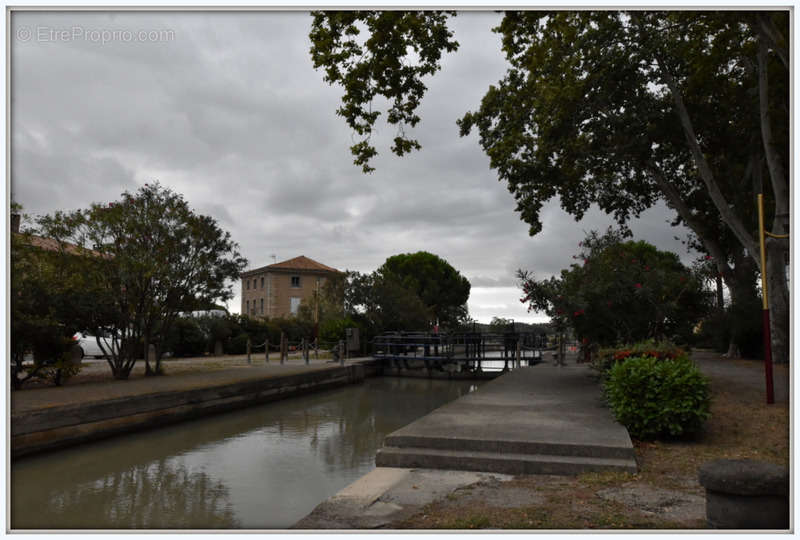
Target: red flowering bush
(626, 292)
(663, 350)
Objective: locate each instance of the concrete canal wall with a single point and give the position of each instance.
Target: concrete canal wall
(52, 427)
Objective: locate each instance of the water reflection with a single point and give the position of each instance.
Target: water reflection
(262, 467)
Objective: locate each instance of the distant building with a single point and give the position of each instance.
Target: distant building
(277, 290)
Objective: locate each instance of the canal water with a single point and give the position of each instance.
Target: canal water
(263, 467)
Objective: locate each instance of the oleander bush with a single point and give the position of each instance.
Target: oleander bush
(658, 397)
(605, 359)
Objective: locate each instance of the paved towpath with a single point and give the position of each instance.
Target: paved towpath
(32, 399)
(542, 419)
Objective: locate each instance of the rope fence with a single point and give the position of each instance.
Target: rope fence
(304, 346)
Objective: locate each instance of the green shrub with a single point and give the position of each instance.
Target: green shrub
(656, 398)
(186, 338)
(715, 332)
(236, 345)
(53, 360)
(332, 330)
(59, 371)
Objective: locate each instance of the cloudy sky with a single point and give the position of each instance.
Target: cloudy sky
(227, 109)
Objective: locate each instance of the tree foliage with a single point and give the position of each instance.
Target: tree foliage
(621, 109)
(408, 292)
(402, 47)
(440, 287)
(44, 302)
(146, 258)
(620, 292)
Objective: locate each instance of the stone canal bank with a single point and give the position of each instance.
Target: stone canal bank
(55, 417)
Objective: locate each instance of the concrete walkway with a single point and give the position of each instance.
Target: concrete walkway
(537, 420)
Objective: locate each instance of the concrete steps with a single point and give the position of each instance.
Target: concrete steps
(504, 446)
(505, 463)
(533, 420)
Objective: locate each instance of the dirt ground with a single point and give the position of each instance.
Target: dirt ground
(664, 494)
(97, 370)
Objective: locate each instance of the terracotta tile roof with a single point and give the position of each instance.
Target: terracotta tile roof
(298, 263)
(50, 244)
(301, 263)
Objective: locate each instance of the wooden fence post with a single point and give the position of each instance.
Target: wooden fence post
(341, 352)
(249, 347)
(283, 347)
(266, 350)
(305, 350)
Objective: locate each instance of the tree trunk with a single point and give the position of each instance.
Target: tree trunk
(733, 348)
(121, 373)
(778, 291)
(158, 370)
(147, 370)
(776, 249)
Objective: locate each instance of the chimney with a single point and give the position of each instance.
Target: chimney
(15, 218)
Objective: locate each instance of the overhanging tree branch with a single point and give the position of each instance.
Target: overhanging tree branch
(674, 198)
(714, 192)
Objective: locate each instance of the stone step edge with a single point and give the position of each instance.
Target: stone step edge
(510, 446)
(506, 463)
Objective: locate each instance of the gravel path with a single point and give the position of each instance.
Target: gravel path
(744, 373)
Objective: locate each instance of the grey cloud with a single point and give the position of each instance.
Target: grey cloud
(492, 282)
(231, 114)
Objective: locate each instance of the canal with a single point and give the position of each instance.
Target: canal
(264, 467)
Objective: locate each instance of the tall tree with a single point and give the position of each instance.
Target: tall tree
(621, 109)
(621, 292)
(442, 289)
(45, 302)
(153, 258)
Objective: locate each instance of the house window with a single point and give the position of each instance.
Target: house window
(295, 304)
(262, 282)
(248, 284)
(296, 282)
(262, 306)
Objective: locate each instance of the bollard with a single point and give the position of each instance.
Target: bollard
(341, 352)
(249, 346)
(305, 350)
(745, 494)
(283, 347)
(266, 351)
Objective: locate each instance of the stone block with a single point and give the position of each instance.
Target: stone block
(745, 494)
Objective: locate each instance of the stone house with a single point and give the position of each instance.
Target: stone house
(278, 289)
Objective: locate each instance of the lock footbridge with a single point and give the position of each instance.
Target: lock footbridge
(473, 352)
